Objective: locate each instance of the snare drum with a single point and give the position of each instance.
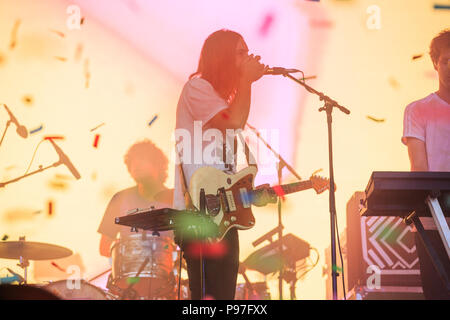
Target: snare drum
(74, 290)
(156, 280)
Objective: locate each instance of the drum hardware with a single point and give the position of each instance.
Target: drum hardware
(86, 291)
(130, 286)
(25, 250)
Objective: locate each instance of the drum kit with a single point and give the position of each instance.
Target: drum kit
(145, 266)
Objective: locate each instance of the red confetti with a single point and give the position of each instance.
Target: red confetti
(208, 250)
(267, 23)
(54, 138)
(58, 267)
(225, 115)
(97, 137)
(50, 208)
(279, 191)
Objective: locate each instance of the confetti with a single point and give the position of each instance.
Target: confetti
(10, 168)
(97, 137)
(82, 21)
(153, 120)
(61, 59)
(13, 42)
(37, 212)
(5, 237)
(50, 208)
(53, 138)
(78, 52)
(375, 119)
(133, 280)
(28, 100)
(2, 59)
(93, 129)
(267, 23)
(417, 56)
(87, 74)
(321, 23)
(58, 267)
(36, 130)
(441, 7)
(59, 33)
(57, 185)
(394, 83)
(309, 78)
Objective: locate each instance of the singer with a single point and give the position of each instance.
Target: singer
(218, 94)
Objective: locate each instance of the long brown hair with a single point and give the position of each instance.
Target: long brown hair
(217, 63)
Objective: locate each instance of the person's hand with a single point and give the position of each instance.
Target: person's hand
(264, 195)
(252, 69)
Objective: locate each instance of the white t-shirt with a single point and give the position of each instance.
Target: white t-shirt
(428, 120)
(199, 146)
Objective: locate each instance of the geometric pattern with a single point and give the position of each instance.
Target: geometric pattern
(389, 244)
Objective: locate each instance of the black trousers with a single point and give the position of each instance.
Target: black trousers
(220, 273)
(433, 286)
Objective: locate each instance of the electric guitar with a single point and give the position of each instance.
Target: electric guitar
(229, 197)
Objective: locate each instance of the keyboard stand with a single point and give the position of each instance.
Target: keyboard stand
(414, 218)
(441, 223)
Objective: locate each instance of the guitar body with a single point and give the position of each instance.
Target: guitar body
(233, 206)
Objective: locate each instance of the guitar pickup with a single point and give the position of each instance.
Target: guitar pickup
(223, 199)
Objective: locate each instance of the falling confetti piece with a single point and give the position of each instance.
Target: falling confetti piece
(58, 185)
(28, 100)
(93, 129)
(53, 138)
(417, 56)
(94, 176)
(78, 52)
(5, 237)
(441, 7)
(10, 168)
(394, 83)
(59, 33)
(97, 137)
(267, 23)
(82, 21)
(2, 59)
(61, 59)
(13, 42)
(62, 177)
(36, 130)
(133, 280)
(225, 115)
(50, 208)
(153, 120)
(87, 74)
(375, 119)
(58, 267)
(321, 23)
(37, 212)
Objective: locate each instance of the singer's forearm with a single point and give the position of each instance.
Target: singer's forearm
(240, 108)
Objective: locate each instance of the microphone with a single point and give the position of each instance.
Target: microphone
(275, 71)
(21, 130)
(63, 158)
(17, 276)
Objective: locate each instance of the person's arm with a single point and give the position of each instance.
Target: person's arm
(105, 246)
(417, 154)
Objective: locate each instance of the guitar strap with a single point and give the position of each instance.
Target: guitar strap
(187, 197)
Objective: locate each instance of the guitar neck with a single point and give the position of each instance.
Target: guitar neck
(296, 186)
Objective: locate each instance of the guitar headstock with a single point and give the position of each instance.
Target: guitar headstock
(320, 184)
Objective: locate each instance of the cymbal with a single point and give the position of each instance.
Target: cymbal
(32, 250)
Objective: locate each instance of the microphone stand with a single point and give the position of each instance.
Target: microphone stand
(3, 184)
(328, 106)
(4, 132)
(280, 165)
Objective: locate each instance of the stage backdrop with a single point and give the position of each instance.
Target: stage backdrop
(98, 76)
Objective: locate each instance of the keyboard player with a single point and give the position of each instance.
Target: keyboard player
(426, 133)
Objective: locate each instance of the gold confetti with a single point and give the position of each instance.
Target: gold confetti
(375, 119)
(78, 52)
(28, 100)
(59, 33)
(87, 74)
(61, 59)
(13, 42)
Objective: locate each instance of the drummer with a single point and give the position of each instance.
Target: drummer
(147, 165)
